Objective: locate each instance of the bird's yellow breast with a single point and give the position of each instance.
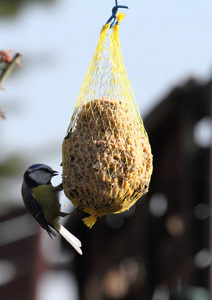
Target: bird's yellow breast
(49, 202)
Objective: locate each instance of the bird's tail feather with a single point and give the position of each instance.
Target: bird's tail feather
(71, 239)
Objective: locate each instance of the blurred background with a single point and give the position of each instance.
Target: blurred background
(161, 248)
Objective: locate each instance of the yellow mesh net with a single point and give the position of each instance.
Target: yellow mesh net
(107, 160)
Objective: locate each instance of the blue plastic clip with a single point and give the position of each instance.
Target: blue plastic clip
(114, 13)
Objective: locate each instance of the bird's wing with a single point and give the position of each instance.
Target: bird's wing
(34, 208)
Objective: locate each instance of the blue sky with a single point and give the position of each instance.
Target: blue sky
(163, 43)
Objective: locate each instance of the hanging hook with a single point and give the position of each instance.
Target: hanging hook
(114, 13)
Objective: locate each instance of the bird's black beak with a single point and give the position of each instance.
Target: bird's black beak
(55, 173)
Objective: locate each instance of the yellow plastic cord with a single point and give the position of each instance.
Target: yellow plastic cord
(90, 221)
(120, 16)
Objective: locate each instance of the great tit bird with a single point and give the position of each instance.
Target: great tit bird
(41, 199)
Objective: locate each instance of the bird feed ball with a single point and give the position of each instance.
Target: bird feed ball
(107, 160)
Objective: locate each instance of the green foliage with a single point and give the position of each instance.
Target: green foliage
(11, 7)
(11, 166)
